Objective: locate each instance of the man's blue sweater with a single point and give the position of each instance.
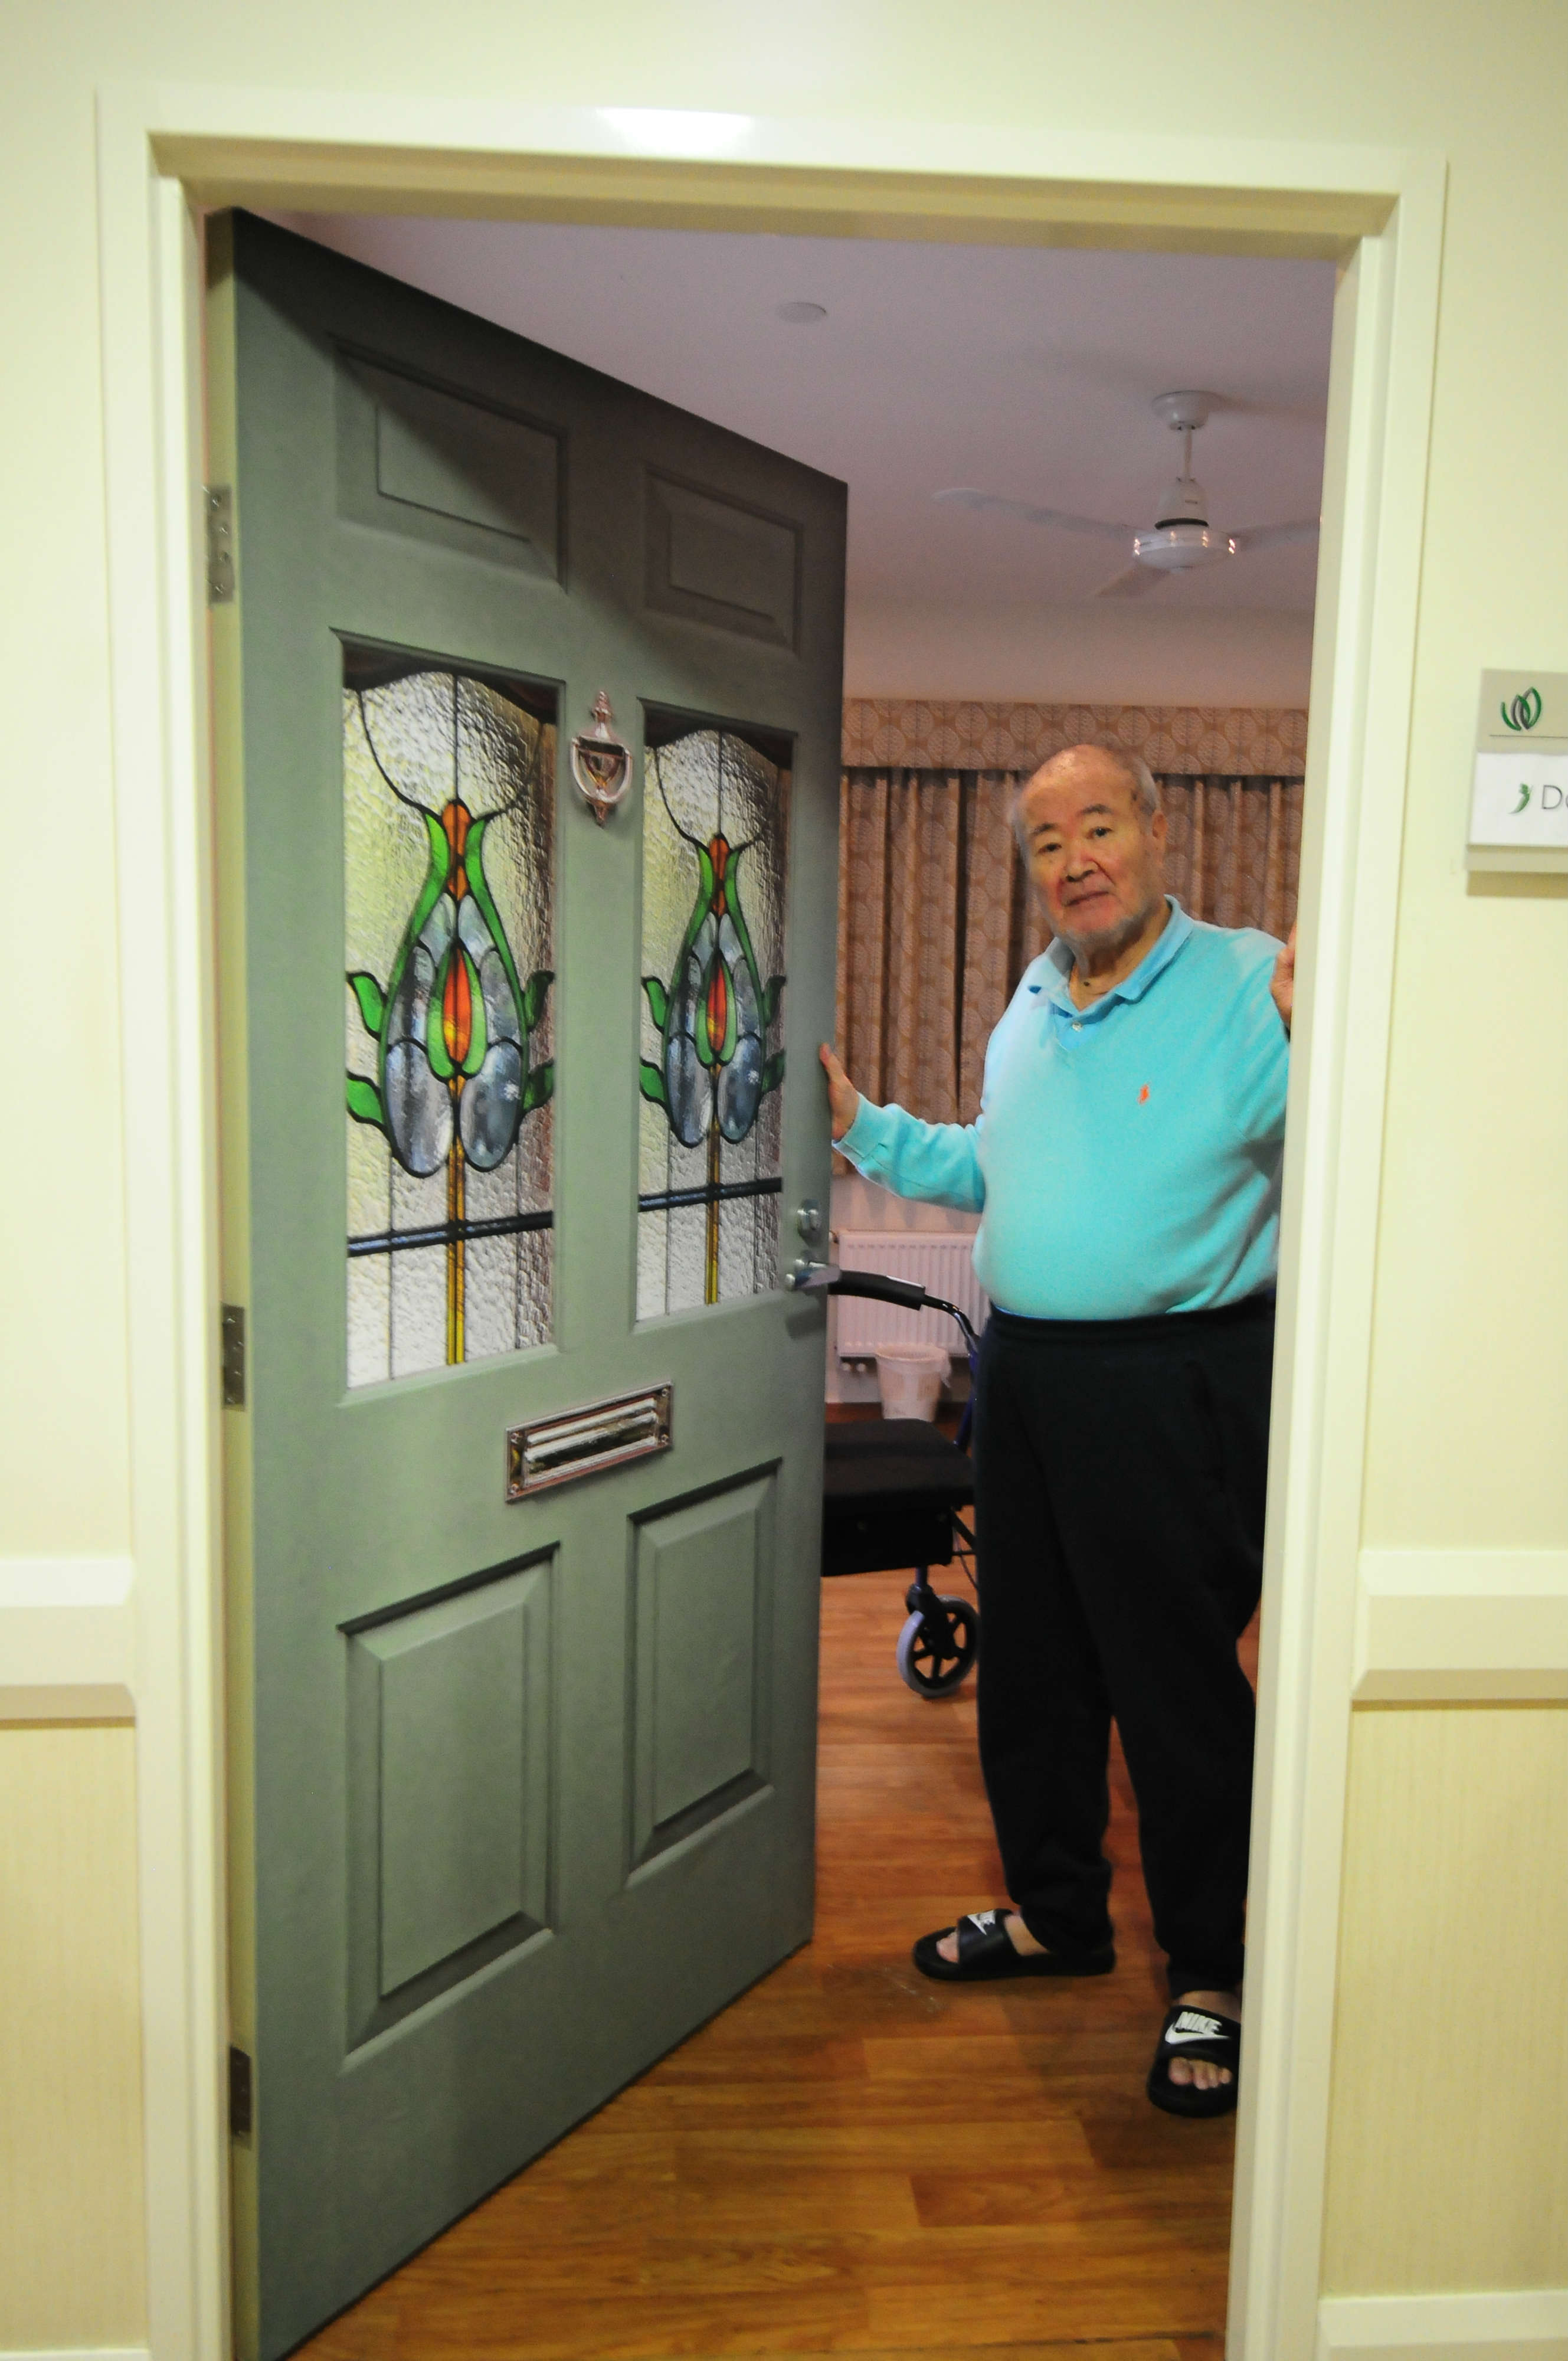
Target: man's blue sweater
(1126, 1159)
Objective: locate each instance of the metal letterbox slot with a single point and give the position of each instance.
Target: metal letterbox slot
(585, 1442)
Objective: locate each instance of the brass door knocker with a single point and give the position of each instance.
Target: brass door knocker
(601, 763)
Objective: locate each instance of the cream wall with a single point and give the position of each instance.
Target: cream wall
(1458, 1831)
(1467, 1381)
(70, 2193)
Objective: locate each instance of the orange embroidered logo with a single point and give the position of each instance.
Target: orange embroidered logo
(1142, 1094)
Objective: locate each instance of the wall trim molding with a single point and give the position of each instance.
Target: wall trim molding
(77, 2353)
(1492, 2324)
(67, 1641)
(1461, 1626)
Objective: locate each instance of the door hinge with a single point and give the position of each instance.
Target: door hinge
(233, 1355)
(242, 2115)
(217, 503)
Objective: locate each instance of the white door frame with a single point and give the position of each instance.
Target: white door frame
(163, 150)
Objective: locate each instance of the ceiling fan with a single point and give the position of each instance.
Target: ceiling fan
(1181, 537)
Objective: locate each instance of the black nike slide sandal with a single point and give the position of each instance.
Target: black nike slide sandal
(986, 1953)
(1196, 2033)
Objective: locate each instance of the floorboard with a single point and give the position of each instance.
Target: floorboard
(851, 2160)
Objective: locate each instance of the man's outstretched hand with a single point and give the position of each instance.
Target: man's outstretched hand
(843, 1098)
(1282, 983)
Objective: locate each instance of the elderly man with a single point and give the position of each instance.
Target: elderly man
(1126, 1166)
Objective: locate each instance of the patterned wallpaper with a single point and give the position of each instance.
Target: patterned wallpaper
(915, 734)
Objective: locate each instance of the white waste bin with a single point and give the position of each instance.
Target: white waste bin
(910, 1379)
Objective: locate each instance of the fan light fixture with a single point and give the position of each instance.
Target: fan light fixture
(1174, 548)
(1182, 536)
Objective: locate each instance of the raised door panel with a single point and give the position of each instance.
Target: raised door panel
(418, 458)
(450, 1747)
(717, 560)
(702, 1616)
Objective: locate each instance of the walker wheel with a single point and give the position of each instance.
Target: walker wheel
(937, 1647)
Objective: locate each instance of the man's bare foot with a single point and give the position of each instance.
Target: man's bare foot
(1202, 2073)
(1018, 1935)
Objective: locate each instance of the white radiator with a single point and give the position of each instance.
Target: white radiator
(938, 1261)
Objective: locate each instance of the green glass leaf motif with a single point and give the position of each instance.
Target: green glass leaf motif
(364, 1102)
(372, 1007)
(434, 1032)
(651, 1082)
(535, 996)
(540, 1086)
(658, 1000)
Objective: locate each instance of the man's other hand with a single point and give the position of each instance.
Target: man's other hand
(843, 1098)
(1282, 983)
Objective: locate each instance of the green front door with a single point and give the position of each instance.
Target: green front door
(521, 1104)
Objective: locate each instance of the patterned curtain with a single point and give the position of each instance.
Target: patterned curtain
(936, 924)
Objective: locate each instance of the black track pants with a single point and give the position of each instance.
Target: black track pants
(1119, 1489)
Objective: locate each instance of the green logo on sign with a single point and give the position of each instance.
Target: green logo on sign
(1524, 798)
(1522, 712)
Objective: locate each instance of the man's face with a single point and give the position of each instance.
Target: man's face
(1094, 860)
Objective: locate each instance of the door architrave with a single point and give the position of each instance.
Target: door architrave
(164, 153)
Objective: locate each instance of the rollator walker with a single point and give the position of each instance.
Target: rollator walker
(892, 1492)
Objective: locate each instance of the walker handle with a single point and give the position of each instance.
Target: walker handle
(827, 1279)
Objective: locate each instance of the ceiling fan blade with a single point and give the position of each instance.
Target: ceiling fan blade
(1134, 581)
(963, 496)
(1275, 536)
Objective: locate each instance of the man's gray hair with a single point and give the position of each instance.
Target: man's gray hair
(1141, 785)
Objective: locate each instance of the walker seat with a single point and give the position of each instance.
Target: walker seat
(891, 1488)
(892, 1491)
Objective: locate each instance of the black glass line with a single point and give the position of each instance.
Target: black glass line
(445, 1234)
(665, 1200)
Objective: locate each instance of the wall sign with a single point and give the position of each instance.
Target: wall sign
(1518, 808)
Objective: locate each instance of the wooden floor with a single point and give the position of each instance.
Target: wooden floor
(851, 2159)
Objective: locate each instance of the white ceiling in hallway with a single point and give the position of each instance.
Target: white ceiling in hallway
(1022, 370)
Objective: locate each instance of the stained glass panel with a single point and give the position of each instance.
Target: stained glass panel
(448, 783)
(715, 840)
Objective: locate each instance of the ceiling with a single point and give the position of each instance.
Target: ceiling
(1021, 370)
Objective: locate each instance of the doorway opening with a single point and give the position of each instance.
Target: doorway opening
(1381, 217)
(1005, 421)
